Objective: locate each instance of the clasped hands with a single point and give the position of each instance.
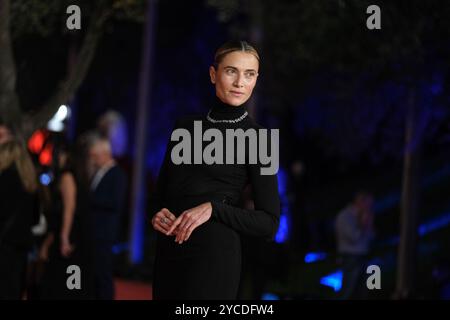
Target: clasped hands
(165, 221)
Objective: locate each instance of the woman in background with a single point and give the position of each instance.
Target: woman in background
(64, 244)
(18, 211)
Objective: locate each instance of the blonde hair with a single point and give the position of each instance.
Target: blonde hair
(231, 46)
(14, 152)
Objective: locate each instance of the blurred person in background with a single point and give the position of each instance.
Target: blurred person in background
(5, 133)
(107, 195)
(354, 232)
(64, 244)
(18, 213)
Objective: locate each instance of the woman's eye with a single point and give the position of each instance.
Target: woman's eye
(249, 74)
(231, 71)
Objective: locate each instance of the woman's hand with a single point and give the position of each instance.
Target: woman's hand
(43, 252)
(163, 220)
(189, 220)
(45, 246)
(66, 247)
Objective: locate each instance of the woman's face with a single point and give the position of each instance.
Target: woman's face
(235, 77)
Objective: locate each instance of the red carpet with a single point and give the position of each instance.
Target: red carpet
(131, 290)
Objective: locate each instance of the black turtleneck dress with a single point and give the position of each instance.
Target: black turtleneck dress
(208, 264)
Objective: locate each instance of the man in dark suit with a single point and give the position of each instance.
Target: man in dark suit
(107, 190)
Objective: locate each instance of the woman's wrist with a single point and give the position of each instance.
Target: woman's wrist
(64, 237)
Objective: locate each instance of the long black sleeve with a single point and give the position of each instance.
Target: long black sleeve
(205, 180)
(264, 220)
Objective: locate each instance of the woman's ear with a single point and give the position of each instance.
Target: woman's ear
(212, 74)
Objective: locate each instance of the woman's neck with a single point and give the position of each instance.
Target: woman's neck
(223, 111)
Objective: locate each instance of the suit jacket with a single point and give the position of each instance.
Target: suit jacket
(106, 202)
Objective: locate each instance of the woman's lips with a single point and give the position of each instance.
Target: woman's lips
(237, 94)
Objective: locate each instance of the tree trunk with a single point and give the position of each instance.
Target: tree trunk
(72, 58)
(69, 86)
(407, 251)
(255, 11)
(142, 118)
(9, 102)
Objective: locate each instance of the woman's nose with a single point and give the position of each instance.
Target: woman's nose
(239, 81)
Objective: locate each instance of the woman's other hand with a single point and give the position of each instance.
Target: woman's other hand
(163, 220)
(189, 220)
(66, 247)
(43, 253)
(45, 247)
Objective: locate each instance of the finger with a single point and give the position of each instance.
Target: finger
(165, 214)
(191, 228)
(158, 228)
(184, 231)
(185, 220)
(158, 221)
(168, 214)
(161, 214)
(194, 225)
(165, 225)
(174, 232)
(156, 224)
(156, 217)
(174, 225)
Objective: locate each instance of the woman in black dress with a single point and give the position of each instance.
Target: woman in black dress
(18, 212)
(199, 223)
(66, 241)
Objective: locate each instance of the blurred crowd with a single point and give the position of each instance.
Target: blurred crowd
(70, 219)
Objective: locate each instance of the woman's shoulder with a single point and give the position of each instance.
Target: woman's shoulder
(252, 124)
(65, 173)
(67, 177)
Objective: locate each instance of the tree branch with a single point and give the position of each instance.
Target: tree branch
(9, 102)
(70, 85)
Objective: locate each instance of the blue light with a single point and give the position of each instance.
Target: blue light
(282, 233)
(434, 224)
(333, 280)
(119, 247)
(137, 236)
(45, 179)
(315, 256)
(436, 88)
(270, 296)
(283, 230)
(392, 199)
